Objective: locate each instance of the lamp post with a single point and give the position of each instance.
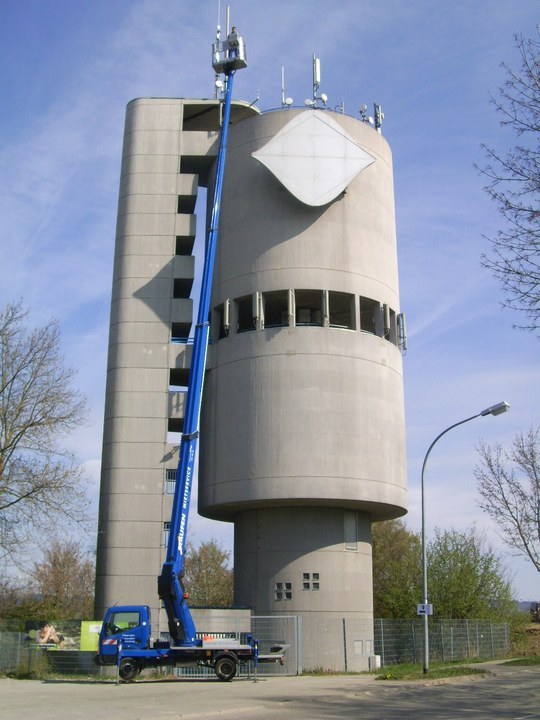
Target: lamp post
(425, 608)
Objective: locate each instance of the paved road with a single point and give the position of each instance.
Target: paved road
(506, 694)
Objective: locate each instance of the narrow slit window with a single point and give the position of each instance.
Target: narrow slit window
(350, 530)
(170, 481)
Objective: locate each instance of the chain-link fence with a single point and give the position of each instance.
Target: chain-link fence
(395, 641)
(402, 641)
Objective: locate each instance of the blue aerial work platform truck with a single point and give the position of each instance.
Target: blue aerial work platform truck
(126, 638)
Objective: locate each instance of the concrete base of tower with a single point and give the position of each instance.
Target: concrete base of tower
(313, 563)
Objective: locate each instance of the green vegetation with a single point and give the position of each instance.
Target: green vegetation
(467, 580)
(437, 672)
(531, 660)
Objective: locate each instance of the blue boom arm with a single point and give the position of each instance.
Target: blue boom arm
(170, 585)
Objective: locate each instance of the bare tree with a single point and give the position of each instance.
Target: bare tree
(509, 486)
(514, 185)
(64, 582)
(40, 482)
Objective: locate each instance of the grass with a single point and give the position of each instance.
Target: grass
(531, 660)
(436, 672)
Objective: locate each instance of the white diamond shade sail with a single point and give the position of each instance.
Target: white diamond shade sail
(314, 158)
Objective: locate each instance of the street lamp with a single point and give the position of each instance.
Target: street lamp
(425, 609)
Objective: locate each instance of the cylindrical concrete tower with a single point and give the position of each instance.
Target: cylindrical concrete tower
(302, 444)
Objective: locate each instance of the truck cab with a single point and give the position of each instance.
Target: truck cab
(126, 627)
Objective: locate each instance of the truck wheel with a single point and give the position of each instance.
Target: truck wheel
(129, 669)
(225, 668)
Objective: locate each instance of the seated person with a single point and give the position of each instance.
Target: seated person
(47, 634)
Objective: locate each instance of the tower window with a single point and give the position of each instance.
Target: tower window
(180, 332)
(244, 314)
(350, 530)
(166, 533)
(310, 581)
(182, 287)
(370, 311)
(276, 308)
(308, 307)
(186, 204)
(341, 310)
(184, 244)
(170, 481)
(283, 591)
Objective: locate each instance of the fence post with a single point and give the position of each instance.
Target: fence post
(468, 640)
(345, 643)
(442, 639)
(413, 642)
(382, 642)
(491, 639)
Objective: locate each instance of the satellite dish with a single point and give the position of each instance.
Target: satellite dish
(308, 102)
(219, 84)
(324, 98)
(288, 102)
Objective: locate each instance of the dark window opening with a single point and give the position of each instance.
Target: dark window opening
(276, 308)
(180, 332)
(182, 287)
(369, 315)
(184, 244)
(179, 377)
(308, 307)
(175, 425)
(341, 310)
(186, 204)
(244, 314)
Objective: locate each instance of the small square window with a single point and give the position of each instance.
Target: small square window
(305, 585)
(288, 595)
(315, 586)
(315, 576)
(305, 576)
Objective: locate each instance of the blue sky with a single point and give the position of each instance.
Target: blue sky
(68, 69)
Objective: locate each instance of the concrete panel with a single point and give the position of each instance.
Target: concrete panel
(147, 224)
(134, 455)
(149, 184)
(138, 379)
(201, 144)
(134, 163)
(151, 333)
(187, 184)
(140, 244)
(144, 203)
(142, 266)
(183, 266)
(142, 405)
(135, 480)
(152, 142)
(154, 114)
(133, 355)
(140, 508)
(180, 355)
(185, 225)
(129, 429)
